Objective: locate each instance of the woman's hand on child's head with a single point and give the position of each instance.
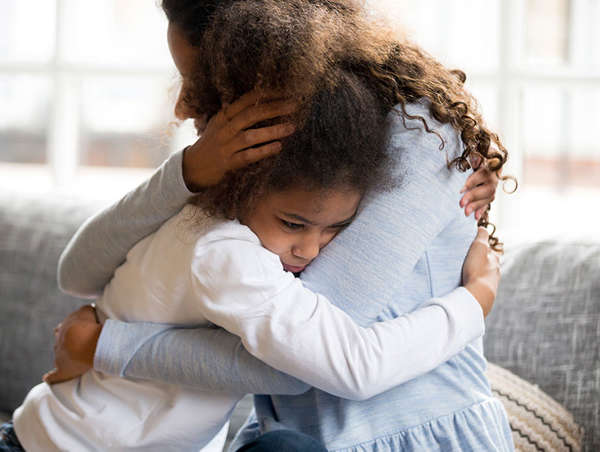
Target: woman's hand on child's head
(75, 340)
(228, 143)
(481, 271)
(479, 190)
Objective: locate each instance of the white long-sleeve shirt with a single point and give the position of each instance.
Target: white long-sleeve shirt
(195, 270)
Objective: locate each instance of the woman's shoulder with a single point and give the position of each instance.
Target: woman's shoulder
(414, 127)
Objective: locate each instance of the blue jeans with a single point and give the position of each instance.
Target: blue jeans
(8, 439)
(283, 441)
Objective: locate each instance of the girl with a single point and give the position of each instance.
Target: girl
(405, 246)
(195, 270)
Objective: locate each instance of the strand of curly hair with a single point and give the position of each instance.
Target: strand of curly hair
(298, 45)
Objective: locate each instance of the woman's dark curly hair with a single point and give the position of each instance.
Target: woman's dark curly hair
(303, 47)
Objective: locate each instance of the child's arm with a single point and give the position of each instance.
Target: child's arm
(289, 327)
(351, 362)
(301, 333)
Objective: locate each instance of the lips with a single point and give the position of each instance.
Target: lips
(291, 268)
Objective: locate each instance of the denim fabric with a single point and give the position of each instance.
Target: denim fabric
(8, 439)
(283, 441)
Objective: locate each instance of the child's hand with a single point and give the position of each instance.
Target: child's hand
(481, 271)
(75, 340)
(479, 190)
(228, 144)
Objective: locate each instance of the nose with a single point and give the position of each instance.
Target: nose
(308, 247)
(182, 109)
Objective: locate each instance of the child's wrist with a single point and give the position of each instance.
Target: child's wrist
(484, 295)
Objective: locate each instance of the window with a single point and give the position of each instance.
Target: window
(86, 97)
(89, 95)
(534, 66)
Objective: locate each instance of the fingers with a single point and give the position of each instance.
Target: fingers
(475, 161)
(479, 207)
(258, 113)
(249, 99)
(485, 192)
(481, 176)
(479, 212)
(248, 156)
(252, 137)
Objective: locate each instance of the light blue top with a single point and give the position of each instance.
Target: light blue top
(405, 247)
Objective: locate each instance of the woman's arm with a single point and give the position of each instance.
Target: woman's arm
(223, 365)
(101, 244)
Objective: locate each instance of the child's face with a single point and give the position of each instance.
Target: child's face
(295, 224)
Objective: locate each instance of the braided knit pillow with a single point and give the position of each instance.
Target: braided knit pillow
(538, 422)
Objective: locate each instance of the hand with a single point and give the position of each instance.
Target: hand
(75, 340)
(228, 144)
(481, 271)
(480, 189)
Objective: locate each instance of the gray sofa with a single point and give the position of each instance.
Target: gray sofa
(545, 326)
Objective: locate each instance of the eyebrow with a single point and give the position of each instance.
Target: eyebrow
(304, 220)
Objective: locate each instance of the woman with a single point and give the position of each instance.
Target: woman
(408, 245)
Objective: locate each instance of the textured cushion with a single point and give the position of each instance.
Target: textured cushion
(545, 326)
(537, 421)
(34, 233)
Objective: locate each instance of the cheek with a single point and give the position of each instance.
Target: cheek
(327, 237)
(277, 242)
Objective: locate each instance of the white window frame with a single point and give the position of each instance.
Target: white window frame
(63, 140)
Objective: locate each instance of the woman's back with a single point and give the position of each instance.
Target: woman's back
(409, 244)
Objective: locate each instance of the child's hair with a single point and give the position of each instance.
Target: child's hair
(340, 143)
(303, 46)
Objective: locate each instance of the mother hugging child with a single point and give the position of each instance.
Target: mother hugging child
(321, 125)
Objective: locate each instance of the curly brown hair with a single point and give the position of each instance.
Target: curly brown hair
(303, 47)
(341, 143)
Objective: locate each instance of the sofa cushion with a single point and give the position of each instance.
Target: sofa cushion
(545, 325)
(34, 232)
(537, 421)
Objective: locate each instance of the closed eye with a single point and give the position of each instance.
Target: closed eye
(340, 225)
(290, 225)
